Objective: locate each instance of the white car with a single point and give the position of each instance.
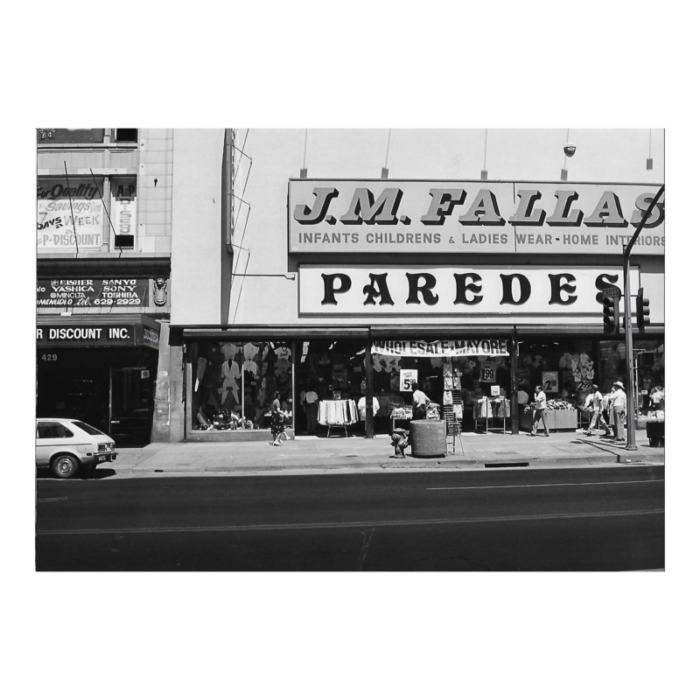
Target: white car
(68, 446)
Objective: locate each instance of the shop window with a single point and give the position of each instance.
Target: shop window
(234, 384)
(565, 368)
(126, 135)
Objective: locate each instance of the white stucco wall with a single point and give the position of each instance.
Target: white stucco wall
(196, 226)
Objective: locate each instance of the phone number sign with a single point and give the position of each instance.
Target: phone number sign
(92, 292)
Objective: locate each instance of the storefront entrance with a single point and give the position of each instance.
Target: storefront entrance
(108, 388)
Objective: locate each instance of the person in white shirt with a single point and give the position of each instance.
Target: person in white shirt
(595, 400)
(540, 409)
(309, 400)
(420, 402)
(619, 410)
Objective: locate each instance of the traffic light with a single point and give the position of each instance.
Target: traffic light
(611, 315)
(642, 311)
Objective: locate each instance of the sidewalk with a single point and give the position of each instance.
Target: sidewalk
(357, 454)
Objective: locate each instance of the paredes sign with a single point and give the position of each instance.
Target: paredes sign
(350, 216)
(537, 292)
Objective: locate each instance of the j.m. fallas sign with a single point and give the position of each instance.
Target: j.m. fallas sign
(406, 216)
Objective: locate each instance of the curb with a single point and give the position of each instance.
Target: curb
(388, 465)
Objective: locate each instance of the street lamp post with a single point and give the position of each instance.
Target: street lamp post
(629, 355)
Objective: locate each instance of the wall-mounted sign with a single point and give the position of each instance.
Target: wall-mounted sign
(124, 207)
(93, 292)
(400, 216)
(66, 210)
(96, 335)
(49, 136)
(364, 290)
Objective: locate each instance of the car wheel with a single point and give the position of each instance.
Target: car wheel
(65, 466)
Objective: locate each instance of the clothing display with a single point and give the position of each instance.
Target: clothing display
(362, 406)
(482, 408)
(343, 412)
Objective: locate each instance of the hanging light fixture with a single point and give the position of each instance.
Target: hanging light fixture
(569, 150)
(484, 172)
(304, 172)
(385, 169)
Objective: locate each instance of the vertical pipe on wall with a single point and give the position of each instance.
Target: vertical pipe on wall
(514, 406)
(369, 389)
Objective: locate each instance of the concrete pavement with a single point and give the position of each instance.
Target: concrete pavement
(356, 454)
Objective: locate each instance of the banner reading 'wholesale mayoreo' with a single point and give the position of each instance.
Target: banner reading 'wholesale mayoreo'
(440, 348)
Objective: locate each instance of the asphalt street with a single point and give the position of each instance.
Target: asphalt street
(593, 519)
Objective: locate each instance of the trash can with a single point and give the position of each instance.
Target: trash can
(428, 438)
(655, 433)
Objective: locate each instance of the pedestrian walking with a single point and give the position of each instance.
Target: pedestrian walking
(595, 401)
(420, 402)
(540, 410)
(277, 424)
(619, 410)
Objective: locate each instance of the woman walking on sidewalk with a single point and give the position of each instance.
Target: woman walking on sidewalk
(540, 409)
(277, 425)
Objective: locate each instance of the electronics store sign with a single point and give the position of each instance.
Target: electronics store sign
(92, 292)
(399, 216)
(97, 335)
(532, 291)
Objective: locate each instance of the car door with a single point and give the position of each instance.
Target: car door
(51, 437)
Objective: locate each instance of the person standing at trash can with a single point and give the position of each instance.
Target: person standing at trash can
(619, 410)
(595, 399)
(420, 402)
(540, 409)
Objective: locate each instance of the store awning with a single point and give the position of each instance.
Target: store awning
(273, 333)
(97, 330)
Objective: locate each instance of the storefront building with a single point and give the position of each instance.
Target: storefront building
(104, 208)
(343, 288)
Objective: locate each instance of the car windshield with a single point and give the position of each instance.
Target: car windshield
(87, 428)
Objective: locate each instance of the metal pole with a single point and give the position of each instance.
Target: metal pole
(631, 435)
(627, 252)
(369, 389)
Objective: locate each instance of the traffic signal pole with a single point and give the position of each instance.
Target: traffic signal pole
(629, 355)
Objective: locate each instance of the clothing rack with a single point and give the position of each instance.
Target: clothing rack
(337, 414)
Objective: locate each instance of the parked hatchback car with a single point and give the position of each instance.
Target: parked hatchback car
(69, 446)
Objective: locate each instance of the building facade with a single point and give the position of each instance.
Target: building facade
(104, 224)
(337, 265)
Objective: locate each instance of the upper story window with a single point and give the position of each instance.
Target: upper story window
(125, 135)
(52, 136)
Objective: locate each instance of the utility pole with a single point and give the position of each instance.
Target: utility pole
(629, 355)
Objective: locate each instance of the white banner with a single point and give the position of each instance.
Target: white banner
(440, 348)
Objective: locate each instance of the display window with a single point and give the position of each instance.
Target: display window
(233, 384)
(330, 383)
(565, 368)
